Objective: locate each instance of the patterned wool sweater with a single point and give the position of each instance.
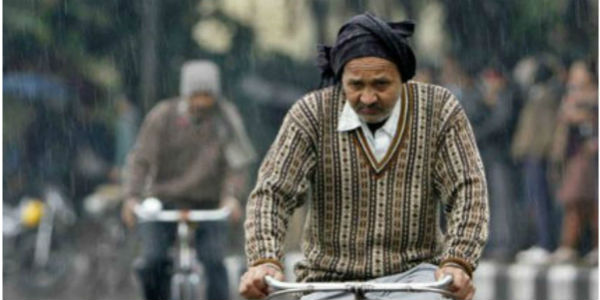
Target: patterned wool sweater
(370, 218)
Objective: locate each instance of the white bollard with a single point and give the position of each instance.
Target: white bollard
(561, 282)
(594, 284)
(234, 265)
(484, 281)
(522, 281)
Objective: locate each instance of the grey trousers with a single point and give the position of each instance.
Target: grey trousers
(421, 273)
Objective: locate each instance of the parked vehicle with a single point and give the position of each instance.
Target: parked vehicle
(38, 248)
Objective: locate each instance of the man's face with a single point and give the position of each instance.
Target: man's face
(372, 86)
(200, 104)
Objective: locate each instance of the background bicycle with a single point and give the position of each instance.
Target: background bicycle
(186, 283)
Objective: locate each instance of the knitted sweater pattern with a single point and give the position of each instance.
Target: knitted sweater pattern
(369, 218)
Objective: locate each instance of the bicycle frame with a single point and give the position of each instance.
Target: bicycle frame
(359, 289)
(184, 272)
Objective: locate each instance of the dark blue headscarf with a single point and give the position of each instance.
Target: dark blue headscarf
(366, 35)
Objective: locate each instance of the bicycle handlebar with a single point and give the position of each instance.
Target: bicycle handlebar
(358, 287)
(174, 215)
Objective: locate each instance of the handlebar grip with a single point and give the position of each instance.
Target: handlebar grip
(445, 281)
(272, 282)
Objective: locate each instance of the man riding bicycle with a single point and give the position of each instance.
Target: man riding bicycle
(192, 153)
(379, 155)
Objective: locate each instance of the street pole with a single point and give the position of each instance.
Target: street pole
(149, 53)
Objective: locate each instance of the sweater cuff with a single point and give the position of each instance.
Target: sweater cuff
(466, 266)
(269, 261)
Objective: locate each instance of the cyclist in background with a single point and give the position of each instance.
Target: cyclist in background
(192, 152)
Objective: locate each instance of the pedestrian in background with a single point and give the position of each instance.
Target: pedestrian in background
(576, 148)
(531, 147)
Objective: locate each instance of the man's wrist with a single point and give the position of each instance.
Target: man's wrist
(454, 265)
(272, 266)
(458, 263)
(133, 200)
(269, 262)
(229, 199)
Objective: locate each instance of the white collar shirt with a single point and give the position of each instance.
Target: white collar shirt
(380, 142)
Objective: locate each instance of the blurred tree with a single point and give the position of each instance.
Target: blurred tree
(87, 42)
(106, 47)
(511, 29)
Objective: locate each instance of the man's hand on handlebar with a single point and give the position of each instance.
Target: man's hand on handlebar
(253, 285)
(462, 285)
(234, 207)
(127, 212)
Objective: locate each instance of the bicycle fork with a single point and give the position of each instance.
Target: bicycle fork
(185, 249)
(185, 280)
